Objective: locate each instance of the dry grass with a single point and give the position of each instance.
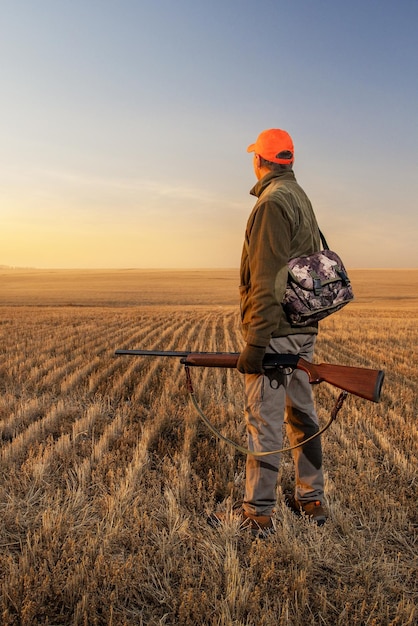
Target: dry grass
(107, 473)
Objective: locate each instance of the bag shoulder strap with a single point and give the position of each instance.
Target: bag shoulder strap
(324, 241)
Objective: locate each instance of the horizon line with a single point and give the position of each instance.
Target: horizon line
(165, 269)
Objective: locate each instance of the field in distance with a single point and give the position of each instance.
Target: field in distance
(107, 474)
(172, 287)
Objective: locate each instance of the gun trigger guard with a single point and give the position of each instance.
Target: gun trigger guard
(274, 383)
(276, 375)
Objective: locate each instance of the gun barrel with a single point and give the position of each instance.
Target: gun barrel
(215, 359)
(151, 353)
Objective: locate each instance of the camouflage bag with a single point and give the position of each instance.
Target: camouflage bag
(317, 286)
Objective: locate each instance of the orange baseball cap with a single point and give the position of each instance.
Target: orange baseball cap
(274, 145)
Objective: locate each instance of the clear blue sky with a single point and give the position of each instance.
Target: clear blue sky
(124, 127)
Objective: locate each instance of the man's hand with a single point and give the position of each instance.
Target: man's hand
(250, 361)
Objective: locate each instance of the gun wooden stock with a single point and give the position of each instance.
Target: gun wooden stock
(360, 381)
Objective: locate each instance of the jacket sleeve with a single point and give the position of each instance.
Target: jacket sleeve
(268, 255)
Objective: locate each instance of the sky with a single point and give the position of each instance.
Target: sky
(124, 127)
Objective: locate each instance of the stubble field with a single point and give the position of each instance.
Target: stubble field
(107, 474)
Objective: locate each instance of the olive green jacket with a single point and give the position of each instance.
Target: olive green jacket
(282, 226)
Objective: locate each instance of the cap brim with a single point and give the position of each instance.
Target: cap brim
(251, 148)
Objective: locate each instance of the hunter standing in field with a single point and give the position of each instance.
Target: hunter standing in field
(282, 226)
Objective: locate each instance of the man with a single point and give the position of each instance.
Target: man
(281, 226)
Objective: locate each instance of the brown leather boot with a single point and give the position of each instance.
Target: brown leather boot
(260, 525)
(313, 509)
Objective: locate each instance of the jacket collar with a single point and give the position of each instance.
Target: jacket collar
(261, 184)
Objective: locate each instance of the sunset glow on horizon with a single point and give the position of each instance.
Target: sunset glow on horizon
(125, 127)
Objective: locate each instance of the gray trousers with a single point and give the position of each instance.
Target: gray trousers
(265, 412)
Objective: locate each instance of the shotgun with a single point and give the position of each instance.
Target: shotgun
(360, 381)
